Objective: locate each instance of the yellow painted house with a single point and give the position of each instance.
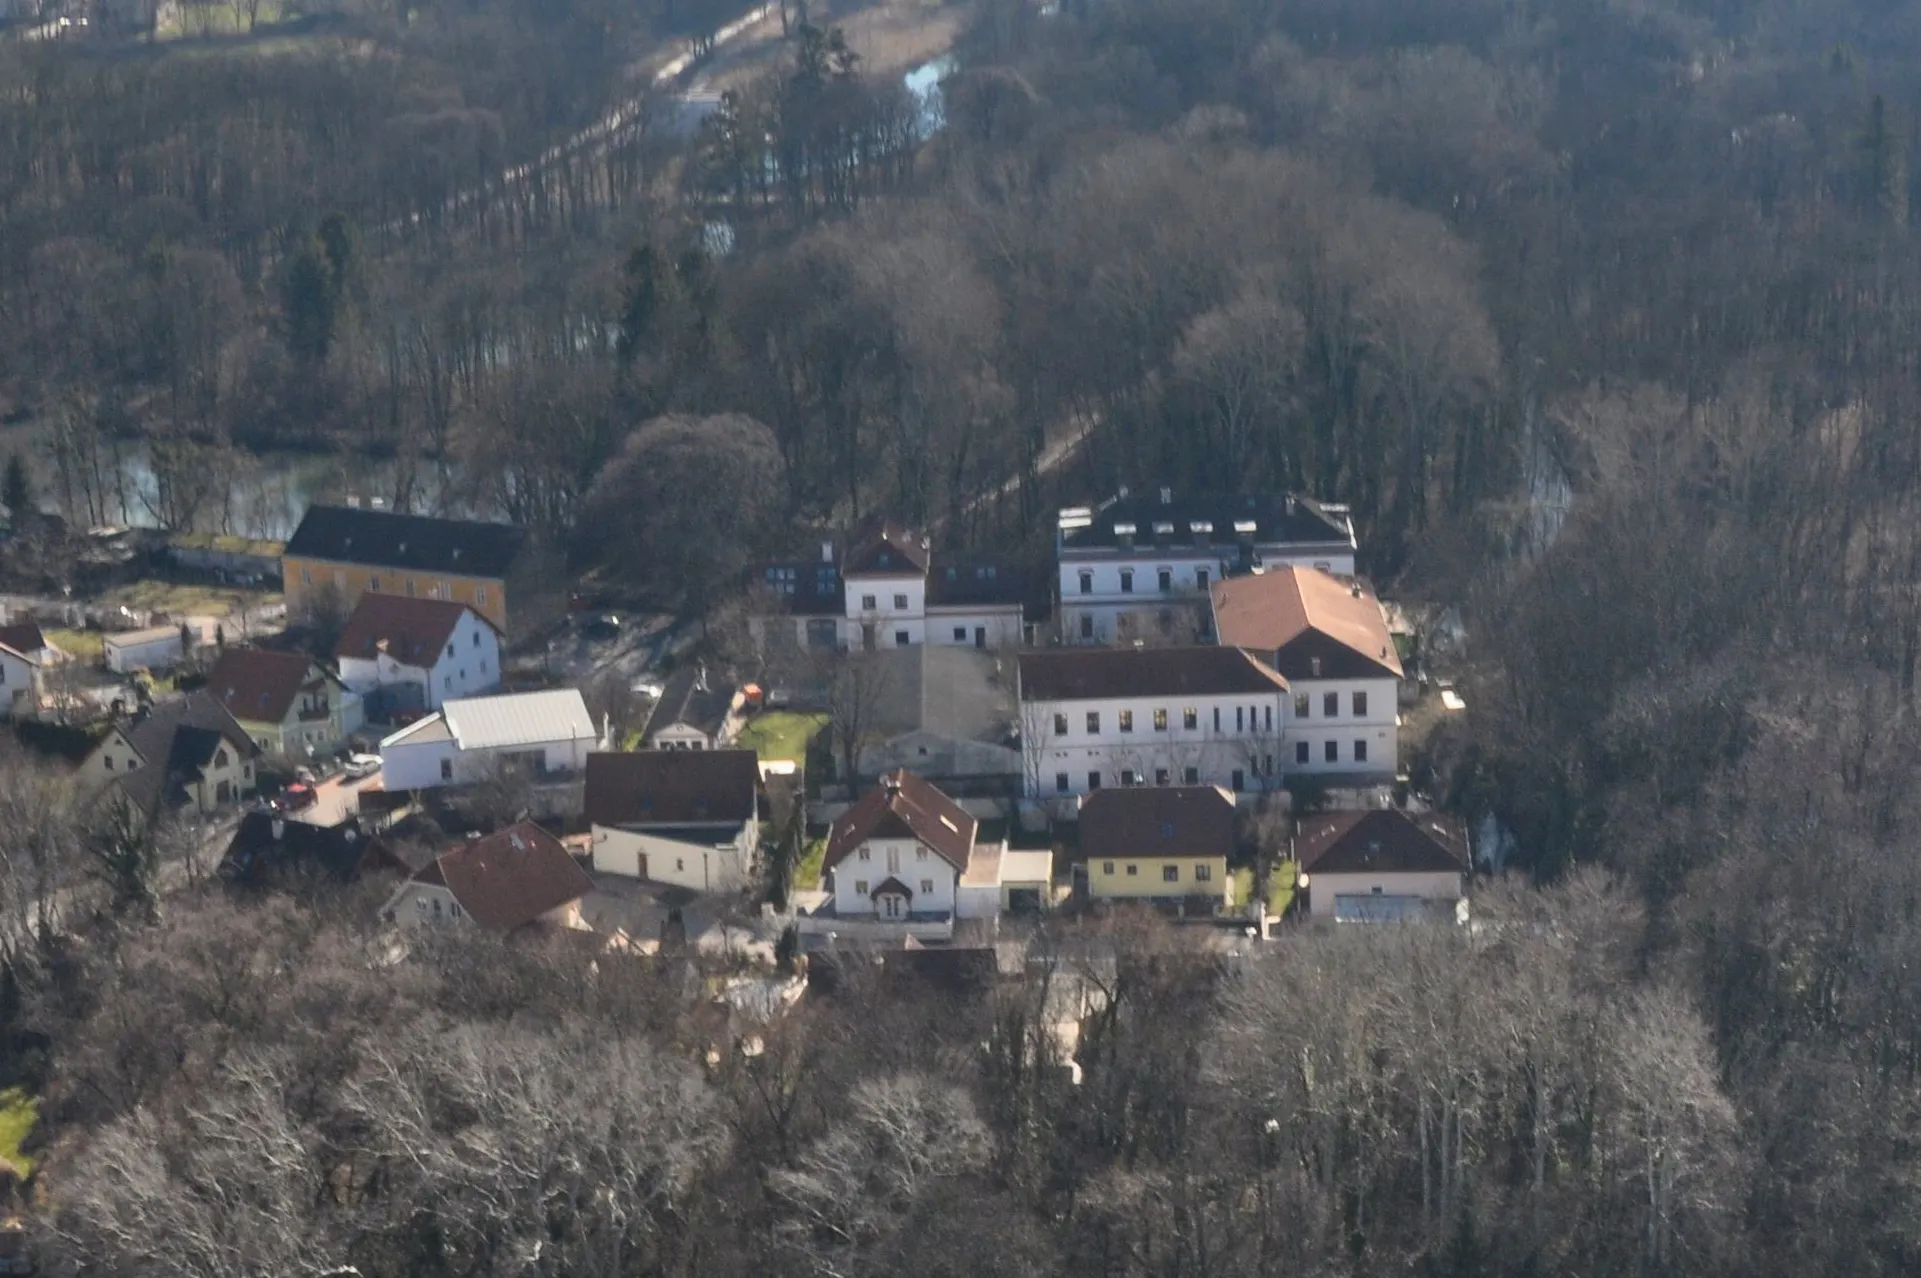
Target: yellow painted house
(1165, 845)
(342, 552)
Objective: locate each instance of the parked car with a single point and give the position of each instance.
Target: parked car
(362, 765)
(650, 687)
(295, 797)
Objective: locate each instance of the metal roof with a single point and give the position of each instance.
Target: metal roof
(526, 718)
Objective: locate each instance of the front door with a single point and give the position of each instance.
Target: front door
(892, 906)
(867, 636)
(980, 636)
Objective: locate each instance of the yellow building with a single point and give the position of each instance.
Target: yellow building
(1162, 844)
(342, 552)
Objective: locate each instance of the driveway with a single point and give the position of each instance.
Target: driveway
(335, 800)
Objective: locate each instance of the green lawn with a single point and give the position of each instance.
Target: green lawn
(1243, 886)
(17, 1113)
(185, 600)
(781, 734)
(82, 645)
(812, 858)
(1280, 888)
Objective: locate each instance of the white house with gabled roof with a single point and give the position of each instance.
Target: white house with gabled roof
(538, 736)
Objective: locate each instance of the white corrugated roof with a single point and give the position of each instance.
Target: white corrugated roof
(525, 718)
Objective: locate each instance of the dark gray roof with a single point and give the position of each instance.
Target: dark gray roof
(953, 692)
(380, 538)
(672, 787)
(1279, 520)
(695, 696)
(176, 741)
(1080, 674)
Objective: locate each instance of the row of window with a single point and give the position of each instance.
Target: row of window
(868, 603)
(926, 887)
(420, 907)
(1303, 753)
(893, 857)
(1330, 705)
(1169, 873)
(435, 589)
(1163, 580)
(1246, 718)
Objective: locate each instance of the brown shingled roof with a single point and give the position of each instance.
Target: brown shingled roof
(1381, 840)
(672, 787)
(1079, 674)
(1157, 820)
(414, 631)
(1304, 616)
(887, 549)
(903, 806)
(510, 878)
(23, 637)
(259, 686)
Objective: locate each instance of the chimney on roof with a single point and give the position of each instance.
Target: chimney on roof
(827, 552)
(1167, 496)
(1314, 666)
(1355, 587)
(891, 783)
(1290, 503)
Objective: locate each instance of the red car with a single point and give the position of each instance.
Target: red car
(295, 797)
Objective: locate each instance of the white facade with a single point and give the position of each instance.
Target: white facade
(538, 735)
(19, 685)
(933, 883)
(1357, 731)
(155, 649)
(1098, 588)
(1387, 892)
(888, 611)
(1230, 740)
(469, 664)
(976, 626)
(700, 867)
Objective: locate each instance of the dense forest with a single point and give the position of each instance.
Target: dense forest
(1433, 258)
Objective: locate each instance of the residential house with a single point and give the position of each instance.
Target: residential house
(27, 639)
(188, 752)
(1167, 845)
(536, 736)
(1328, 638)
(519, 877)
(695, 712)
(1382, 865)
(1145, 563)
(947, 715)
(891, 590)
(401, 654)
(340, 553)
(1092, 718)
(287, 702)
(21, 683)
(686, 817)
(897, 856)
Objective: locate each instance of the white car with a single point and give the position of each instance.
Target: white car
(650, 688)
(362, 765)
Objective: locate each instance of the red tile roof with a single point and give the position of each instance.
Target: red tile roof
(1306, 616)
(903, 806)
(510, 878)
(259, 686)
(412, 631)
(1382, 841)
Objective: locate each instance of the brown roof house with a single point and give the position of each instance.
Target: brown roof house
(516, 878)
(402, 654)
(1383, 865)
(903, 862)
(685, 817)
(1167, 845)
(288, 703)
(189, 752)
(1328, 637)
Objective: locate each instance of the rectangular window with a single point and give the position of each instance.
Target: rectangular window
(1200, 578)
(1240, 715)
(1217, 718)
(1360, 752)
(865, 854)
(1093, 780)
(1267, 716)
(1332, 752)
(1093, 721)
(410, 587)
(1203, 873)
(927, 887)
(446, 769)
(480, 595)
(306, 577)
(420, 906)
(1133, 869)
(1107, 867)
(1166, 581)
(1191, 776)
(867, 603)
(900, 603)
(1127, 721)
(1160, 776)
(1087, 627)
(1170, 874)
(1160, 721)
(1060, 783)
(109, 762)
(1302, 706)
(900, 638)
(373, 585)
(1060, 725)
(1087, 582)
(1190, 718)
(1127, 776)
(860, 886)
(960, 634)
(1300, 752)
(476, 638)
(920, 852)
(680, 863)
(1127, 581)
(1240, 781)
(1360, 705)
(450, 650)
(1330, 705)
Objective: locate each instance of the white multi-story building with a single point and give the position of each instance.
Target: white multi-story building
(1144, 563)
(891, 591)
(684, 817)
(401, 653)
(1150, 716)
(1329, 639)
